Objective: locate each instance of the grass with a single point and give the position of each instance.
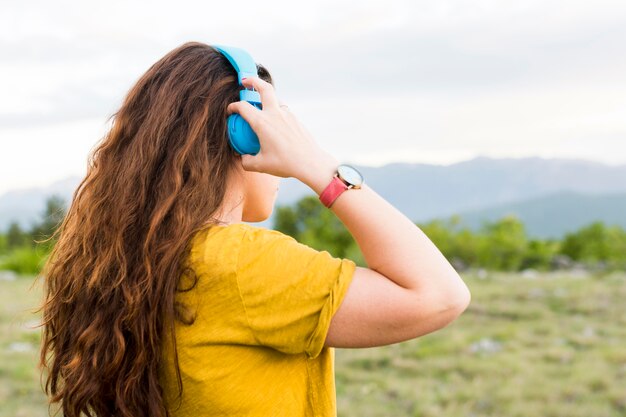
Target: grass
(545, 345)
(20, 389)
(548, 346)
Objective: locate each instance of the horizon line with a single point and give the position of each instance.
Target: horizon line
(382, 165)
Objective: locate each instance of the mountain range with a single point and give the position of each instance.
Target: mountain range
(551, 196)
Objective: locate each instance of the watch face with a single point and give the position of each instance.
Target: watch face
(350, 174)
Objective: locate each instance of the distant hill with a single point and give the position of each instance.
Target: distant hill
(555, 214)
(421, 191)
(424, 191)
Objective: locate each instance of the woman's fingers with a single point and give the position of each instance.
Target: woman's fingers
(265, 89)
(246, 110)
(285, 143)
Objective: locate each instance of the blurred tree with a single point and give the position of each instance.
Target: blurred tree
(316, 226)
(589, 243)
(467, 246)
(3, 243)
(500, 245)
(617, 246)
(504, 243)
(596, 242)
(539, 254)
(286, 220)
(16, 237)
(53, 216)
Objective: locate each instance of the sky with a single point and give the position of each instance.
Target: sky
(374, 81)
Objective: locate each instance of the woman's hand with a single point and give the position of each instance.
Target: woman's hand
(286, 146)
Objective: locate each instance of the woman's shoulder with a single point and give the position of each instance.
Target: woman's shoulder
(237, 234)
(243, 241)
(242, 229)
(242, 246)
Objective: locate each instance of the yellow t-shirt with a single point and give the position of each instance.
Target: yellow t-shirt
(263, 305)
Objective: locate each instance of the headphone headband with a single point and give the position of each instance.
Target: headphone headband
(245, 66)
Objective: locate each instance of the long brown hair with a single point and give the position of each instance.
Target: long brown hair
(157, 177)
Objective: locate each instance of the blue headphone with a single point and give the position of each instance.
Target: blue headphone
(240, 135)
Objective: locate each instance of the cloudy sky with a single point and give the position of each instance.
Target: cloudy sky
(374, 81)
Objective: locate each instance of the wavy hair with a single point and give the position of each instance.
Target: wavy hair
(157, 177)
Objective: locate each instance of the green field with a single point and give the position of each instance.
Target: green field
(528, 345)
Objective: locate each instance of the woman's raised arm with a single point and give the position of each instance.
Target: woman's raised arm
(409, 288)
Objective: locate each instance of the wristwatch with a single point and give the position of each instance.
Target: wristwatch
(345, 177)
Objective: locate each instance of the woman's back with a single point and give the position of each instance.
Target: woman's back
(263, 304)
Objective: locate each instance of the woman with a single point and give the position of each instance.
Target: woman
(160, 301)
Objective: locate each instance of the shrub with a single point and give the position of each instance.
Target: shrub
(24, 260)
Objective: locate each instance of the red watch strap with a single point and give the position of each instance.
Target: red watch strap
(332, 191)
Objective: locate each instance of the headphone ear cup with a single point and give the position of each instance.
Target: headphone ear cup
(241, 136)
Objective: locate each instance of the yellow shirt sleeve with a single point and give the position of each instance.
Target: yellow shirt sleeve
(289, 290)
